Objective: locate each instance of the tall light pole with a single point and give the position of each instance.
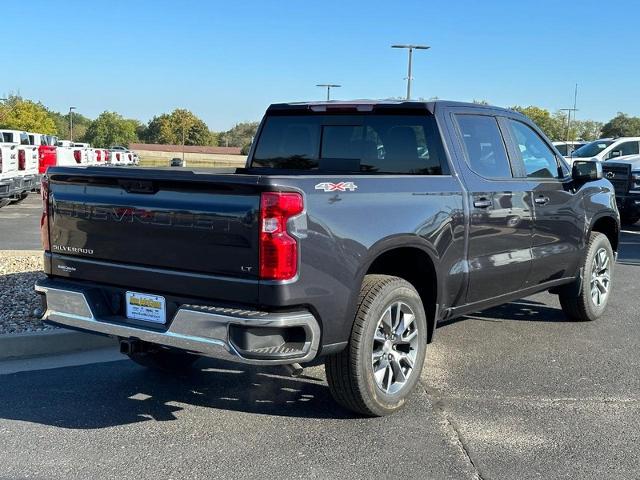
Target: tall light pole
(328, 86)
(71, 109)
(411, 48)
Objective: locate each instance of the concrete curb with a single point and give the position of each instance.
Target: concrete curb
(51, 342)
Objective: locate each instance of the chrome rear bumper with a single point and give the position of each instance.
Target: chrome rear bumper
(196, 328)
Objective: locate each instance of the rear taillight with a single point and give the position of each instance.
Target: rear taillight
(44, 220)
(22, 160)
(117, 157)
(0, 160)
(77, 156)
(278, 249)
(129, 156)
(98, 156)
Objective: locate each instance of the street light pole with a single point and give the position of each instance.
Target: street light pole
(71, 109)
(410, 48)
(328, 86)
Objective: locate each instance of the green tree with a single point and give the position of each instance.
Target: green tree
(172, 128)
(551, 125)
(80, 125)
(19, 114)
(622, 125)
(587, 130)
(111, 129)
(240, 135)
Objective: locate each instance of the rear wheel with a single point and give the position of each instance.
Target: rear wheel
(164, 359)
(593, 296)
(382, 363)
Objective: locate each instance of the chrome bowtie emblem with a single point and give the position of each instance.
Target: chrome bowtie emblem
(611, 175)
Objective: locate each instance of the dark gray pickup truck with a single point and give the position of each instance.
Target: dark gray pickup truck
(354, 228)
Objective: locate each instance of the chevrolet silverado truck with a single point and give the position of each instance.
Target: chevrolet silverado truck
(624, 174)
(353, 229)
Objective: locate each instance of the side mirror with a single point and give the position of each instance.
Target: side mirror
(615, 153)
(586, 171)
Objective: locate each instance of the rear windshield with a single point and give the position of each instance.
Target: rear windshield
(396, 144)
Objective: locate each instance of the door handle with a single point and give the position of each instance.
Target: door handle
(541, 200)
(482, 203)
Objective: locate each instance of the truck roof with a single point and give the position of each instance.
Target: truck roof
(367, 105)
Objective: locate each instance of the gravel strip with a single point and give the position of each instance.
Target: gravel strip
(18, 300)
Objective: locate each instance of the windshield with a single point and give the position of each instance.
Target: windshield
(591, 149)
(400, 144)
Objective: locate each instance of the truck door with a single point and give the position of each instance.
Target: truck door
(500, 207)
(559, 220)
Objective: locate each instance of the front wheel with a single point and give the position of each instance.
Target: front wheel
(377, 371)
(594, 293)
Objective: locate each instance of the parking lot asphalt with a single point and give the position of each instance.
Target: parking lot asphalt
(510, 393)
(20, 224)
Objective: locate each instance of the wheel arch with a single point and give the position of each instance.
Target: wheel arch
(413, 260)
(608, 225)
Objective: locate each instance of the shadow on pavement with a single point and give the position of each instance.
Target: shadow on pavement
(521, 310)
(120, 393)
(629, 251)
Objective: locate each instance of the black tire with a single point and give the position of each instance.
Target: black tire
(350, 373)
(581, 306)
(166, 360)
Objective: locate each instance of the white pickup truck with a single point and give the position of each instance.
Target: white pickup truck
(8, 171)
(27, 161)
(126, 157)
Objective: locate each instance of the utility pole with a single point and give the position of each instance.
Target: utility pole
(71, 109)
(411, 48)
(328, 86)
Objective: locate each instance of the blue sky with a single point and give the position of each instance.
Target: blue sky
(226, 61)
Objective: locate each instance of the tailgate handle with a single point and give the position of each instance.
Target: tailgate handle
(138, 186)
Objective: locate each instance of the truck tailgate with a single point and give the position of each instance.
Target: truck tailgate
(170, 220)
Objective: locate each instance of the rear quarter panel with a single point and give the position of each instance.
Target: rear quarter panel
(346, 231)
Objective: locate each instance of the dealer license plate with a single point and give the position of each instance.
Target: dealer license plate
(149, 308)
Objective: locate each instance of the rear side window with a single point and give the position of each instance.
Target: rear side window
(24, 139)
(383, 144)
(484, 146)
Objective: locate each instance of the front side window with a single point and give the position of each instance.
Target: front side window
(484, 146)
(625, 148)
(381, 144)
(539, 160)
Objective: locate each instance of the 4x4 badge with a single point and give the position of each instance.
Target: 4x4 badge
(337, 187)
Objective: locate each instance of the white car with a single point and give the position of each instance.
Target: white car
(127, 157)
(27, 155)
(608, 148)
